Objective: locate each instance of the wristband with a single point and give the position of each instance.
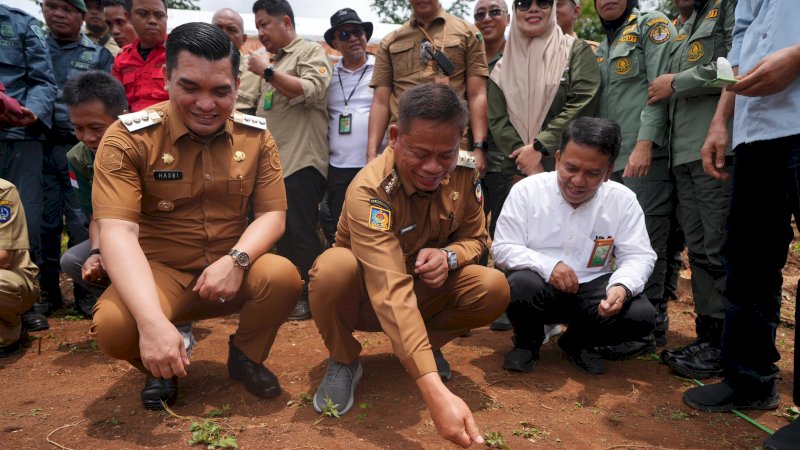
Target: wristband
(94, 251)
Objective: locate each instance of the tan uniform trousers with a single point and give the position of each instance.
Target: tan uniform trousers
(268, 293)
(17, 295)
(471, 297)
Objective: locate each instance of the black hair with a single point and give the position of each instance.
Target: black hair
(275, 8)
(129, 5)
(96, 85)
(203, 40)
(432, 101)
(105, 3)
(600, 133)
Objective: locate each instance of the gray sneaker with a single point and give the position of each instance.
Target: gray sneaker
(339, 385)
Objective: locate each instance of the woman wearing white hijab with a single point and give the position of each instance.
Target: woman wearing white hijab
(544, 80)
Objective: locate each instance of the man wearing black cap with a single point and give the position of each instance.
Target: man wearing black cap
(349, 104)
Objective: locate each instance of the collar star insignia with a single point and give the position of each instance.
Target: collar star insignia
(167, 158)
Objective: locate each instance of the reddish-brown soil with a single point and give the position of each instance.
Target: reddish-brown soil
(62, 389)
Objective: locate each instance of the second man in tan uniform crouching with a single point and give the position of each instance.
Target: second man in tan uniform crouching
(410, 232)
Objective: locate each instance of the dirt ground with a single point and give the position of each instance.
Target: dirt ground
(61, 392)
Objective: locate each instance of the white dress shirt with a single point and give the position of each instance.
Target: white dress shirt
(538, 228)
(349, 151)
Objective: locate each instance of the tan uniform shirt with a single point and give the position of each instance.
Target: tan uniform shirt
(398, 62)
(386, 222)
(249, 87)
(300, 125)
(14, 232)
(189, 195)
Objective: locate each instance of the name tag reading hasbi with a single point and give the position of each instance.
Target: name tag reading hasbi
(167, 175)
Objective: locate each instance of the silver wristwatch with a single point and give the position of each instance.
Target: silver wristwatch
(452, 259)
(240, 259)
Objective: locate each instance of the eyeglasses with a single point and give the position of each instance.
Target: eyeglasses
(496, 12)
(344, 35)
(524, 5)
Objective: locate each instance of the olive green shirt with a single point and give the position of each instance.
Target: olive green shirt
(81, 163)
(637, 55)
(398, 63)
(706, 36)
(300, 124)
(249, 87)
(576, 97)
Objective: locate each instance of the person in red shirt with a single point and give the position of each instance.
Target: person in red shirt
(138, 66)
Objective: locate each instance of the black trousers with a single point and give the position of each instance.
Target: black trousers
(534, 302)
(338, 181)
(759, 234)
(300, 243)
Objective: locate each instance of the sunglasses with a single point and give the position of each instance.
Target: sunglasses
(344, 35)
(496, 12)
(524, 5)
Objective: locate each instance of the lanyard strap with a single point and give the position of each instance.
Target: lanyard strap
(444, 35)
(339, 72)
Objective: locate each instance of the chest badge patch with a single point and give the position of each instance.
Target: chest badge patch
(5, 213)
(623, 66)
(695, 51)
(659, 34)
(167, 158)
(239, 156)
(379, 218)
(7, 30)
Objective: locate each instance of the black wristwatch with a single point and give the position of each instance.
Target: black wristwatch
(452, 259)
(539, 147)
(269, 72)
(481, 145)
(240, 259)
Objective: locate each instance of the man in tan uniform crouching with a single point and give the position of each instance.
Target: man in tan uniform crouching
(410, 232)
(18, 289)
(173, 187)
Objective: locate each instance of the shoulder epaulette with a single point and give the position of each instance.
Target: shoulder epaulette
(250, 121)
(140, 119)
(465, 159)
(391, 182)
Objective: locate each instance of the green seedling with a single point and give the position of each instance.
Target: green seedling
(222, 412)
(790, 413)
(210, 434)
(528, 431)
(329, 410)
(495, 440)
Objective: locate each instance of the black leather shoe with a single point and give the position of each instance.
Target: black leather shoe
(442, 366)
(519, 360)
(302, 311)
(33, 321)
(157, 390)
(501, 324)
(14, 347)
(588, 361)
(627, 350)
(706, 362)
(257, 379)
(688, 350)
(786, 438)
(723, 397)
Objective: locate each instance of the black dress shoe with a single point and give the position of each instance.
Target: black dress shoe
(14, 347)
(723, 397)
(688, 350)
(33, 321)
(157, 390)
(501, 324)
(627, 350)
(582, 358)
(302, 311)
(520, 360)
(786, 438)
(704, 363)
(257, 379)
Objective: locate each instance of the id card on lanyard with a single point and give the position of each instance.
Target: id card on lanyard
(346, 119)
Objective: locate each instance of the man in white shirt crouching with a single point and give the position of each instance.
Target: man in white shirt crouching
(575, 249)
